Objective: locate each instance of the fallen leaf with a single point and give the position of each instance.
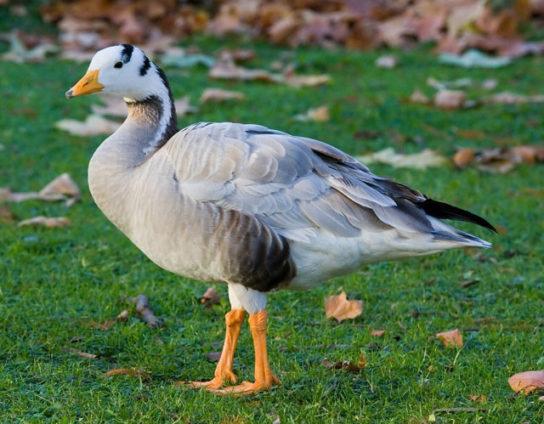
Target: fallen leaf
(183, 107)
(451, 338)
(447, 85)
(473, 59)
(145, 312)
(210, 297)
(318, 114)
(43, 221)
(213, 356)
(123, 316)
(299, 81)
(340, 308)
(106, 325)
(19, 53)
(132, 372)
(449, 99)
(219, 95)
(418, 97)
(422, 160)
(377, 333)
(509, 98)
(93, 125)
(464, 157)
(82, 354)
(489, 84)
(63, 186)
(347, 365)
(527, 382)
(478, 398)
(386, 62)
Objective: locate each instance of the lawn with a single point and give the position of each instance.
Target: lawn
(55, 283)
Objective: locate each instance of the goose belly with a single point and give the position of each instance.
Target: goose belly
(327, 256)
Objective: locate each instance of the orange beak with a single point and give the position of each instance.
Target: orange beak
(86, 85)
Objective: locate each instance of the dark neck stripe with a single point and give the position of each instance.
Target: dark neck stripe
(145, 67)
(126, 53)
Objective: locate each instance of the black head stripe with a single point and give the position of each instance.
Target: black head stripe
(145, 67)
(126, 53)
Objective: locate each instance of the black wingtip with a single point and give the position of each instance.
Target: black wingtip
(444, 211)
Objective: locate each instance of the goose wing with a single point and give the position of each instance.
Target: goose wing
(295, 185)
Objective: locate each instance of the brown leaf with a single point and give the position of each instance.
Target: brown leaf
(93, 125)
(347, 365)
(509, 98)
(132, 372)
(145, 312)
(340, 308)
(449, 99)
(43, 221)
(478, 398)
(210, 297)
(418, 97)
(463, 157)
(377, 333)
(63, 186)
(451, 338)
(183, 107)
(527, 382)
(219, 95)
(318, 114)
(82, 354)
(299, 81)
(230, 71)
(425, 159)
(213, 356)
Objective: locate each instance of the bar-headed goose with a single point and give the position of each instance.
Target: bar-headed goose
(255, 208)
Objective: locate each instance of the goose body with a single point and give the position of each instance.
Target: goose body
(256, 208)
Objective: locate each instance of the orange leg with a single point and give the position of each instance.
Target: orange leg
(264, 378)
(223, 371)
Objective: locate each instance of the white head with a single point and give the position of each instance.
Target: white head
(123, 70)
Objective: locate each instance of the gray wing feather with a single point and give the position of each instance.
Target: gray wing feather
(295, 185)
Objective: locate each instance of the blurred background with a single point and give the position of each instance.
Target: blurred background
(445, 96)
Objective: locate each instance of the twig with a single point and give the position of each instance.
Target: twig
(145, 312)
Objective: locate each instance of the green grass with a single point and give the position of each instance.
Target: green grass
(54, 283)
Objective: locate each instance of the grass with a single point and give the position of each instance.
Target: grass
(54, 283)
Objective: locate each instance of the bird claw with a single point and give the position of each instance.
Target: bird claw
(248, 388)
(215, 383)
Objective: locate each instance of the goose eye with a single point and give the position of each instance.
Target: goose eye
(118, 65)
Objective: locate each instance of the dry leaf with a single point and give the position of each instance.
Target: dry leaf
(418, 97)
(63, 186)
(386, 62)
(210, 297)
(20, 53)
(347, 365)
(463, 157)
(424, 159)
(93, 125)
(123, 316)
(451, 338)
(220, 95)
(318, 114)
(145, 312)
(478, 398)
(82, 354)
(509, 98)
(132, 372)
(340, 308)
(43, 221)
(450, 99)
(183, 107)
(299, 81)
(213, 356)
(527, 382)
(377, 333)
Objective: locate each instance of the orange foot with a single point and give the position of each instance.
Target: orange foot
(249, 388)
(215, 383)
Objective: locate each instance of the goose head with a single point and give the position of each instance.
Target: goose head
(122, 70)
